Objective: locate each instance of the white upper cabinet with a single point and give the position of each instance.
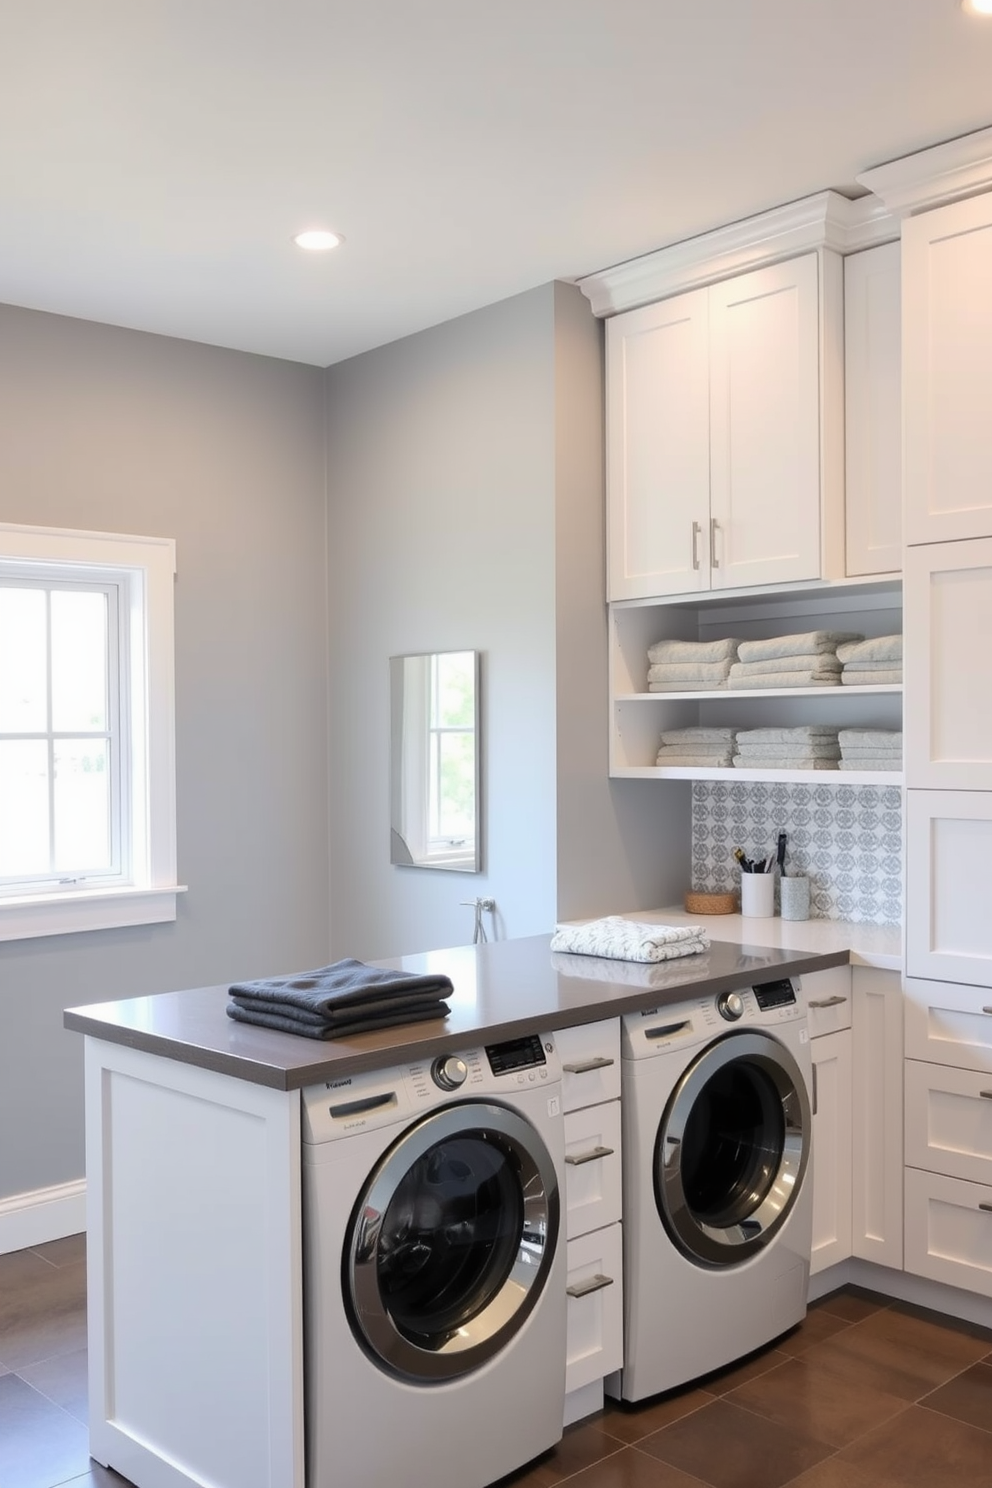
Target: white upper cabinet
(947, 370)
(719, 401)
(873, 410)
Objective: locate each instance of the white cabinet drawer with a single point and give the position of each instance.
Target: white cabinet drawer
(595, 1307)
(592, 1168)
(949, 1023)
(828, 999)
(949, 1121)
(590, 1063)
(949, 1230)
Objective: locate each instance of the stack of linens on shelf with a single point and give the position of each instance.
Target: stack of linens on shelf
(711, 748)
(810, 747)
(806, 660)
(870, 749)
(871, 663)
(345, 997)
(690, 666)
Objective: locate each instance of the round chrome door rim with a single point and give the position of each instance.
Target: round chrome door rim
(484, 1335)
(716, 1245)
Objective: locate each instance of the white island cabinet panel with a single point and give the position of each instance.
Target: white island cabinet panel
(194, 1274)
(948, 920)
(947, 370)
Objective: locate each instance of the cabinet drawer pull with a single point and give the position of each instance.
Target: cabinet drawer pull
(986, 1094)
(599, 1062)
(822, 1002)
(576, 1159)
(696, 530)
(986, 1207)
(987, 1010)
(592, 1284)
(815, 1090)
(714, 529)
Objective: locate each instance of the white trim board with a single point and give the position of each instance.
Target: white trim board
(41, 1215)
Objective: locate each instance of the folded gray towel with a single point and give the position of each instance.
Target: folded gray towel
(339, 985)
(696, 651)
(286, 1023)
(801, 734)
(784, 762)
(787, 679)
(824, 661)
(878, 763)
(869, 738)
(871, 679)
(795, 645)
(393, 1007)
(690, 671)
(876, 648)
(698, 735)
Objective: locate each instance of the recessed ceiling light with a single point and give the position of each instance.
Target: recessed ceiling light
(318, 239)
(977, 7)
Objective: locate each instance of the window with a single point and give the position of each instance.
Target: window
(87, 774)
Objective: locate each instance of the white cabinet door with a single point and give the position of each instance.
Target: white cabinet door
(948, 893)
(592, 1168)
(595, 1307)
(947, 371)
(765, 426)
(948, 629)
(877, 1107)
(657, 449)
(949, 1230)
(873, 410)
(831, 1056)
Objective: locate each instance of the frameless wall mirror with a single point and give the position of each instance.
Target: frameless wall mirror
(434, 760)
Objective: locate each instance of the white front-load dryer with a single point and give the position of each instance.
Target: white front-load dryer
(434, 1269)
(717, 1191)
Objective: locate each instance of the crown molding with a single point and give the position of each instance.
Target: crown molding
(827, 220)
(957, 168)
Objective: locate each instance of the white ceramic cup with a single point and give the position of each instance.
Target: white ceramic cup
(795, 898)
(758, 895)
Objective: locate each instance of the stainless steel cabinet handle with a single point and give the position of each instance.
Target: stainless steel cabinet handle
(714, 529)
(600, 1062)
(593, 1284)
(696, 530)
(987, 1010)
(576, 1159)
(827, 1001)
(986, 1207)
(986, 1094)
(815, 1090)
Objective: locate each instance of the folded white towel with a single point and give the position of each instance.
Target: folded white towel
(687, 686)
(690, 671)
(815, 749)
(876, 648)
(801, 734)
(697, 746)
(698, 735)
(725, 650)
(784, 762)
(871, 679)
(630, 940)
(809, 661)
(868, 738)
(866, 756)
(878, 763)
(796, 645)
(679, 759)
(786, 679)
(873, 666)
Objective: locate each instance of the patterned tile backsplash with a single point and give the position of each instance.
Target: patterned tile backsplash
(847, 839)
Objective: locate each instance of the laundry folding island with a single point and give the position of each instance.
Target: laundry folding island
(196, 1129)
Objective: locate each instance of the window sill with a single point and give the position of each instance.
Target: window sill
(27, 917)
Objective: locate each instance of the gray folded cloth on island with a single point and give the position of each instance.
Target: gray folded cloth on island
(817, 678)
(871, 679)
(876, 648)
(698, 734)
(806, 644)
(801, 734)
(689, 671)
(346, 997)
(806, 661)
(288, 1019)
(696, 651)
(851, 738)
(784, 762)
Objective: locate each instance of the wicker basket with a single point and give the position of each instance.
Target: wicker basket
(710, 904)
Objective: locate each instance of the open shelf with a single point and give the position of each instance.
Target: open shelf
(748, 694)
(786, 777)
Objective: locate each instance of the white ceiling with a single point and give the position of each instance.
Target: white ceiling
(157, 155)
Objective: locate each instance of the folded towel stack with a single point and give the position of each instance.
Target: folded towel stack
(810, 747)
(690, 666)
(345, 997)
(709, 747)
(870, 749)
(630, 940)
(871, 663)
(805, 660)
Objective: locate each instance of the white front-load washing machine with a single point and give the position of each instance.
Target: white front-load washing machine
(434, 1269)
(717, 1191)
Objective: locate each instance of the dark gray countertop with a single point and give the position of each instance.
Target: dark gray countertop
(503, 989)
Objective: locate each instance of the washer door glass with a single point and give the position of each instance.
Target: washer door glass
(732, 1149)
(451, 1240)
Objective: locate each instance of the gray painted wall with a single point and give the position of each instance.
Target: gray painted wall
(120, 431)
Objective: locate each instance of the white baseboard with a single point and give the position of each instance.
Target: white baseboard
(919, 1290)
(41, 1215)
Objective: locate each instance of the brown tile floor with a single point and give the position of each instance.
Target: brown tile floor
(863, 1394)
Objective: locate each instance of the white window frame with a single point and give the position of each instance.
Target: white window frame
(148, 566)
